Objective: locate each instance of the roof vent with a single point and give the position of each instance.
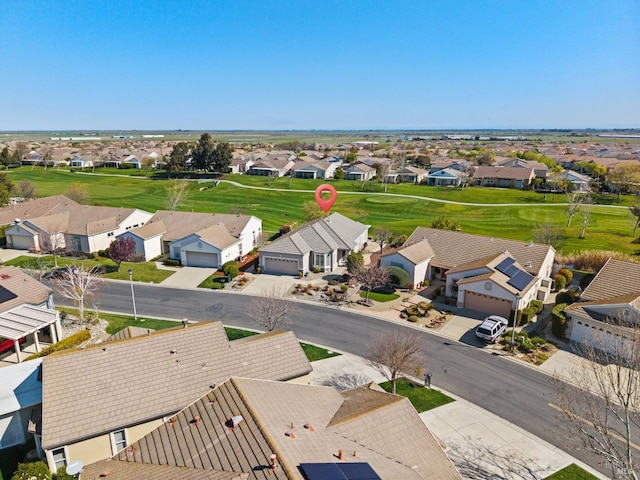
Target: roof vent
(17, 221)
(528, 264)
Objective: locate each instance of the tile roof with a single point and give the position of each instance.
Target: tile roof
(416, 253)
(34, 208)
(180, 224)
(456, 248)
(149, 230)
(24, 288)
(140, 379)
(514, 173)
(382, 429)
(217, 236)
(615, 278)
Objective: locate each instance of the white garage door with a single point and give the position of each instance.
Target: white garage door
(487, 304)
(281, 265)
(21, 242)
(200, 259)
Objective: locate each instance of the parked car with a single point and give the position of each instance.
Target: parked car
(6, 345)
(491, 328)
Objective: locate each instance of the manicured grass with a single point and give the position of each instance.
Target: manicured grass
(236, 333)
(317, 353)
(380, 297)
(213, 282)
(572, 472)
(142, 272)
(609, 228)
(421, 398)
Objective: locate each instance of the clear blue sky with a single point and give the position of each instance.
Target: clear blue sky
(325, 64)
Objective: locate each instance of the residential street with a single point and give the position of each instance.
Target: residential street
(516, 392)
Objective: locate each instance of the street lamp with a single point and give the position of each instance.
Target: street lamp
(515, 319)
(133, 297)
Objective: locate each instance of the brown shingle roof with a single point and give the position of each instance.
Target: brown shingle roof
(34, 208)
(149, 230)
(416, 252)
(387, 433)
(140, 379)
(456, 248)
(181, 224)
(512, 173)
(615, 278)
(24, 289)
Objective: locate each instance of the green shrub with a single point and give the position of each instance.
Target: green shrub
(566, 273)
(538, 341)
(399, 276)
(413, 319)
(567, 297)
(355, 261)
(126, 166)
(171, 262)
(344, 288)
(61, 474)
(526, 316)
(586, 280)
(32, 471)
(559, 282)
(231, 269)
(559, 320)
(537, 306)
(404, 315)
(64, 344)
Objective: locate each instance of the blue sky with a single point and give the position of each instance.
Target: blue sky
(298, 64)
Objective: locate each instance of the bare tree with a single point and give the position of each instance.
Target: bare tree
(372, 277)
(394, 352)
(575, 201)
(27, 189)
(177, 193)
(270, 309)
(547, 233)
(312, 211)
(585, 211)
(382, 235)
(608, 421)
(635, 211)
(78, 192)
(79, 284)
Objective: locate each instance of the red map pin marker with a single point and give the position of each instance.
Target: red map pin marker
(325, 205)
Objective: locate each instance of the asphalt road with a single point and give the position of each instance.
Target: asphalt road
(507, 388)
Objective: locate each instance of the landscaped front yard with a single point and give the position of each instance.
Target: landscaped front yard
(421, 398)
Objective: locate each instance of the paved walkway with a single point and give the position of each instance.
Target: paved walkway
(481, 444)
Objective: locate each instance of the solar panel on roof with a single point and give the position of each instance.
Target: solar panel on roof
(520, 280)
(339, 471)
(504, 264)
(6, 295)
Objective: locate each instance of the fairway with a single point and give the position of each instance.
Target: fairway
(513, 214)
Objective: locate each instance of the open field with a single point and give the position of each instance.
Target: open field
(610, 226)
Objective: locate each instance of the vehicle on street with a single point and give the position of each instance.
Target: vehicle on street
(491, 328)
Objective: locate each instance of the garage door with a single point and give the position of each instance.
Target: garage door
(487, 304)
(21, 242)
(200, 259)
(283, 266)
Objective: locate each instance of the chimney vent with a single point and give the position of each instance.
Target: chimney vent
(341, 456)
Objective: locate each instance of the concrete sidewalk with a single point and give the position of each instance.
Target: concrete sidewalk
(480, 444)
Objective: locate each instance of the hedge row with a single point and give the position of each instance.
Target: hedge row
(559, 320)
(64, 344)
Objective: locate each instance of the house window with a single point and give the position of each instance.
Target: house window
(59, 457)
(318, 260)
(118, 440)
(110, 234)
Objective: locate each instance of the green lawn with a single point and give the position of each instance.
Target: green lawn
(380, 297)
(572, 472)
(142, 272)
(317, 353)
(609, 228)
(421, 398)
(213, 281)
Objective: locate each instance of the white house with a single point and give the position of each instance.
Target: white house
(148, 239)
(446, 177)
(80, 162)
(314, 169)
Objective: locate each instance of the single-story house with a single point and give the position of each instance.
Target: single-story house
(198, 239)
(504, 177)
(26, 308)
(440, 163)
(579, 182)
(411, 174)
(81, 228)
(446, 177)
(359, 171)
(241, 163)
(491, 275)
(539, 168)
(314, 169)
(256, 429)
(80, 162)
(20, 402)
(33, 158)
(322, 245)
(608, 312)
(272, 165)
(124, 389)
(33, 208)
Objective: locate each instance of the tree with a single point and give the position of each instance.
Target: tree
(78, 192)
(79, 284)
(608, 421)
(6, 187)
(355, 262)
(222, 155)
(202, 155)
(372, 277)
(121, 250)
(178, 158)
(19, 153)
(270, 309)
(382, 236)
(5, 156)
(339, 174)
(177, 193)
(394, 352)
(575, 204)
(444, 223)
(547, 233)
(625, 178)
(312, 211)
(635, 211)
(585, 211)
(27, 190)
